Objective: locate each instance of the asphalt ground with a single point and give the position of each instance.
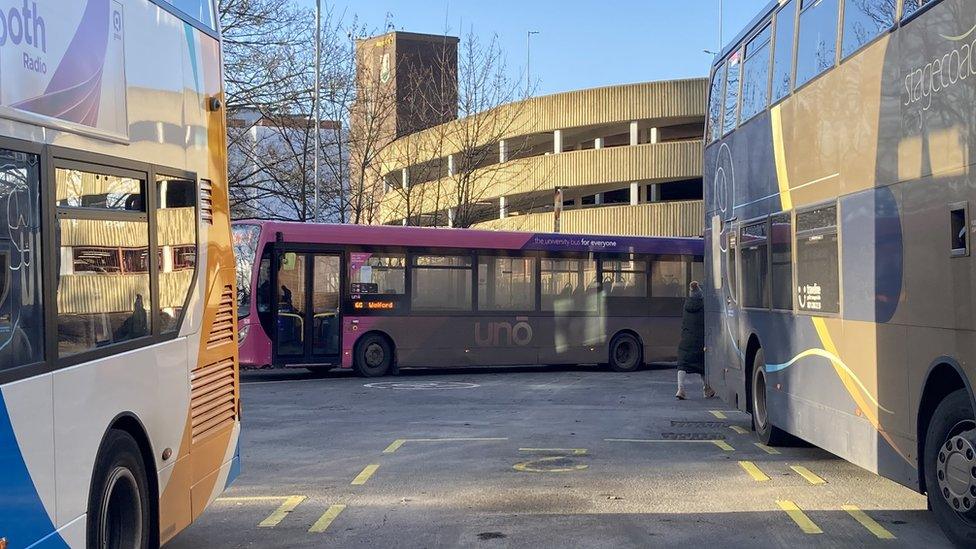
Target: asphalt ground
(530, 457)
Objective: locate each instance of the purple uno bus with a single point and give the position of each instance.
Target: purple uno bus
(374, 298)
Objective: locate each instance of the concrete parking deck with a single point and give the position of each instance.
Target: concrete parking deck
(568, 457)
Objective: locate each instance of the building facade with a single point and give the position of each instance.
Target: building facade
(619, 160)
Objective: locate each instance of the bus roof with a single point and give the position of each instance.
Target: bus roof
(727, 48)
(386, 235)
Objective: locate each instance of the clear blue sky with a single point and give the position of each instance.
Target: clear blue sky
(581, 44)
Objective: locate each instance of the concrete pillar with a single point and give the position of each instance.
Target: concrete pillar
(502, 152)
(502, 207)
(635, 192)
(557, 141)
(634, 133)
(654, 136)
(451, 214)
(404, 222)
(655, 194)
(598, 199)
(598, 143)
(451, 168)
(405, 178)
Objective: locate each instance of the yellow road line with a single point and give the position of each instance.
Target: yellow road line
(799, 517)
(326, 519)
(723, 445)
(394, 446)
(574, 451)
(251, 499)
(766, 449)
(720, 443)
(362, 477)
(740, 430)
(281, 512)
(872, 525)
(754, 472)
(717, 414)
(811, 477)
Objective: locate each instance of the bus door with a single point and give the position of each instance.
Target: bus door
(307, 308)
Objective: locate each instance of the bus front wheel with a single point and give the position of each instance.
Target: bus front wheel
(374, 356)
(768, 433)
(625, 353)
(950, 468)
(118, 504)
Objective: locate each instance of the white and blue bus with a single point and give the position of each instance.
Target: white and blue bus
(119, 414)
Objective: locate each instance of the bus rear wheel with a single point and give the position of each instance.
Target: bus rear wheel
(950, 468)
(118, 505)
(374, 356)
(625, 353)
(768, 433)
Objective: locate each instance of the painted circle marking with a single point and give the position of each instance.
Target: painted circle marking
(420, 386)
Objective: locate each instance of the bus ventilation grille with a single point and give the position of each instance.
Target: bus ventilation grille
(223, 324)
(206, 201)
(212, 398)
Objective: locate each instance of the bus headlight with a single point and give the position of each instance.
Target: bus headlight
(242, 333)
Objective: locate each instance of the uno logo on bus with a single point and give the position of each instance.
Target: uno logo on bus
(504, 334)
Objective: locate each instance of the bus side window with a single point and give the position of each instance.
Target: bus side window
(959, 229)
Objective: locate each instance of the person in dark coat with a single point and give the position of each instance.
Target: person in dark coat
(691, 350)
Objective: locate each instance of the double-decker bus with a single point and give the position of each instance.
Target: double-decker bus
(119, 412)
(375, 298)
(839, 237)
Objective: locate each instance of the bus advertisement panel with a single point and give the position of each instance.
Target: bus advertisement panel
(119, 409)
(838, 171)
(377, 298)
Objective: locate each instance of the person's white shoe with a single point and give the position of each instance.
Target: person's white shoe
(680, 395)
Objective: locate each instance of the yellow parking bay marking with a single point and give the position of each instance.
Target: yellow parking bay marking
(740, 430)
(717, 414)
(396, 444)
(808, 474)
(281, 512)
(766, 449)
(252, 499)
(362, 477)
(872, 525)
(574, 451)
(720, 443)
(799, 517)
(754, 472)
(326, 519)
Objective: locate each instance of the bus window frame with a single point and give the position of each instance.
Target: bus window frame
(190, 20)
(48, 364)
(536, 279)
(902, 20)
(752, 222)
(59, 157)
(156, 171)
(842, 19)
(583, 256)
(796, 22)
(412, 254)
(739, 51)
(760, 28)
(836, 202)
(793, 296)
(796, 42)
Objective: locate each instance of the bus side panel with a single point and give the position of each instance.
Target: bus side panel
(27, 477)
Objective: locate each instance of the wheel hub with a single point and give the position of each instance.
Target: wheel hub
(956, 471)
(374, 355)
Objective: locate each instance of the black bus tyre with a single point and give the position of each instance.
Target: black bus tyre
(950, 468)
(768, 433)
(374, 356)
(118, 504)
(625, 353)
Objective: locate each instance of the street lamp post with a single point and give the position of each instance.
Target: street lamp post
(318, 108)
(528, 60)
